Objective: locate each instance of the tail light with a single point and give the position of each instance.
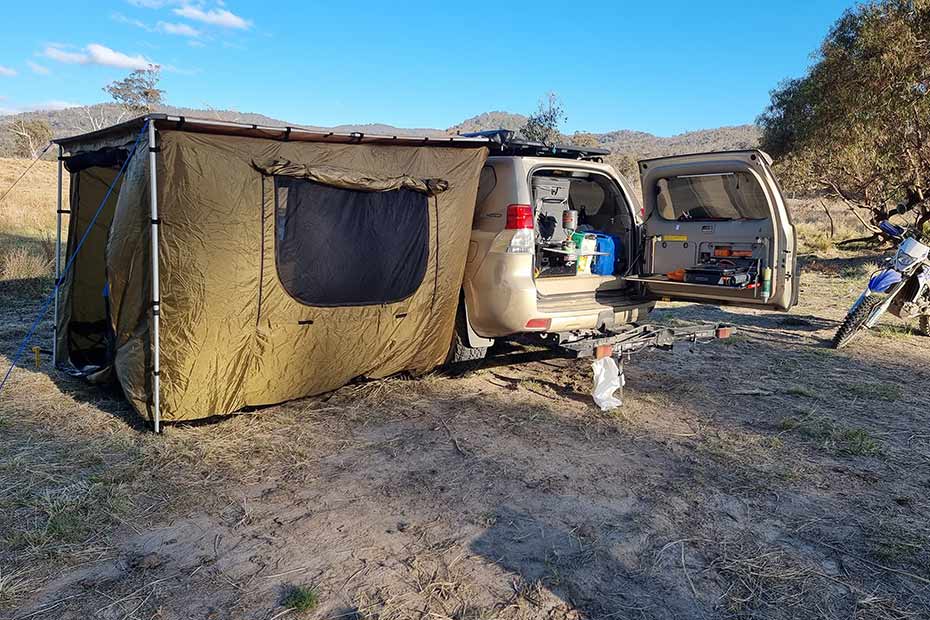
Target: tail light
(541, 324)
(518, 236)
(519, 217)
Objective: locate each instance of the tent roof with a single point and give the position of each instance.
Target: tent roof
(296, 134)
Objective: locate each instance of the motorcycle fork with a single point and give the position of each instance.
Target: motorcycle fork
(880, 310)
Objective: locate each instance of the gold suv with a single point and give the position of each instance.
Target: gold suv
(561, 244)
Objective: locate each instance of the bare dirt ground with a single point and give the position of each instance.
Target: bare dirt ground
(763, 477)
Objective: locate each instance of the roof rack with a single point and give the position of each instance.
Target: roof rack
(505, 142)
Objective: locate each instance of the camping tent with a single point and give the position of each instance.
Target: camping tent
(236, 265)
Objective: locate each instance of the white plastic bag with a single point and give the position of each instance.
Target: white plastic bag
(608, 378)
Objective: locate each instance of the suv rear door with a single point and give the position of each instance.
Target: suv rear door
(717, 211)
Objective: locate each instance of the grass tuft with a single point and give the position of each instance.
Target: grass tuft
(881, 391)
(858, 442)
(301, 598)
(831, 437)
(13, 585)
(24, 263)
(801, 390)
(813, 238)
(894, 332)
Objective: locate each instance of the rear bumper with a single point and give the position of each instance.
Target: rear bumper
(502, 297)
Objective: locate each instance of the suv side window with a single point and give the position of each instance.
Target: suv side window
(487, 181)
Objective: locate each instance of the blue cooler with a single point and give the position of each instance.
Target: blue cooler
(619, 256)
(604, 265)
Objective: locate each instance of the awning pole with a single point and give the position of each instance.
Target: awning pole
(153, 202)
(57, 262)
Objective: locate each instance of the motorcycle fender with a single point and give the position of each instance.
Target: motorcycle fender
(883, 280)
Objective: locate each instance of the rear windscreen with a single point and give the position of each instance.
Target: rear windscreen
(727, 196)
(341, 247)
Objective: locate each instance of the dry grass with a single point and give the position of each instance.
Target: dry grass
(14, 584)
(60, 498)
(28, 259)
(27, 219)
(30, 207)
(815, 233)
(763, 578)
(438, 586)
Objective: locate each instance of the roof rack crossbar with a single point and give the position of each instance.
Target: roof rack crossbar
(506, 142)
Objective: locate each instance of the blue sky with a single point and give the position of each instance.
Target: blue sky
(660, 67)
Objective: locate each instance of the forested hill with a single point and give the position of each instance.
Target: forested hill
(76, 120)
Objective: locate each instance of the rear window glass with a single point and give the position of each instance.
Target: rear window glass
(341, 247)
(727, 196)
(486, 184)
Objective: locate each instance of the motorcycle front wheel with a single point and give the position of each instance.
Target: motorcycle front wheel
(855, 321)
(924, 325)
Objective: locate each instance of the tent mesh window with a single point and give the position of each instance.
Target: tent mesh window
(344, 247)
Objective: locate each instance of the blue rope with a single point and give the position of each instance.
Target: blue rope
(51, 296)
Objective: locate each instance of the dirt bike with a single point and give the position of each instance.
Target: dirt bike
(903, 288)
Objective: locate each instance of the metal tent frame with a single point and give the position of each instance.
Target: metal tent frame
(156, 305)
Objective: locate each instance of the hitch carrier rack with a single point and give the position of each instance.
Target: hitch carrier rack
(635, 338)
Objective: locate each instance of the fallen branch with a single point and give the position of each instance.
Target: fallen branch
(455, 442)
(876, 238)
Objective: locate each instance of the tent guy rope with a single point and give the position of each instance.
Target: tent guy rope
(51, 296)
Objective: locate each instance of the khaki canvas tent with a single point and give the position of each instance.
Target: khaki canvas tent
(237, 265)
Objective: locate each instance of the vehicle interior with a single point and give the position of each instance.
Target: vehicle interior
(583, 224)
(709, 233)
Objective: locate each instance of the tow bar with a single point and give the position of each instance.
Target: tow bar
(610, 347)
(637, 338)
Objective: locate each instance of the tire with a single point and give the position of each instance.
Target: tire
(854, 324)
(923, 325)
(459, 351)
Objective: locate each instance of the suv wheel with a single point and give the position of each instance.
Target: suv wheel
(459, 351)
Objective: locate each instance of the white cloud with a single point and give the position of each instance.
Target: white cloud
(32, 107)
(183, 30)
(37, 68)
(103, 55)
(176, 28)
(96, 54)
(7, 71)
(119, 17)
(153, 4)
(55, 52)
(214, 17)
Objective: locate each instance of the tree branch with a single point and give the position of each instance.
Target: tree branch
(854, 207)
(830, 217)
